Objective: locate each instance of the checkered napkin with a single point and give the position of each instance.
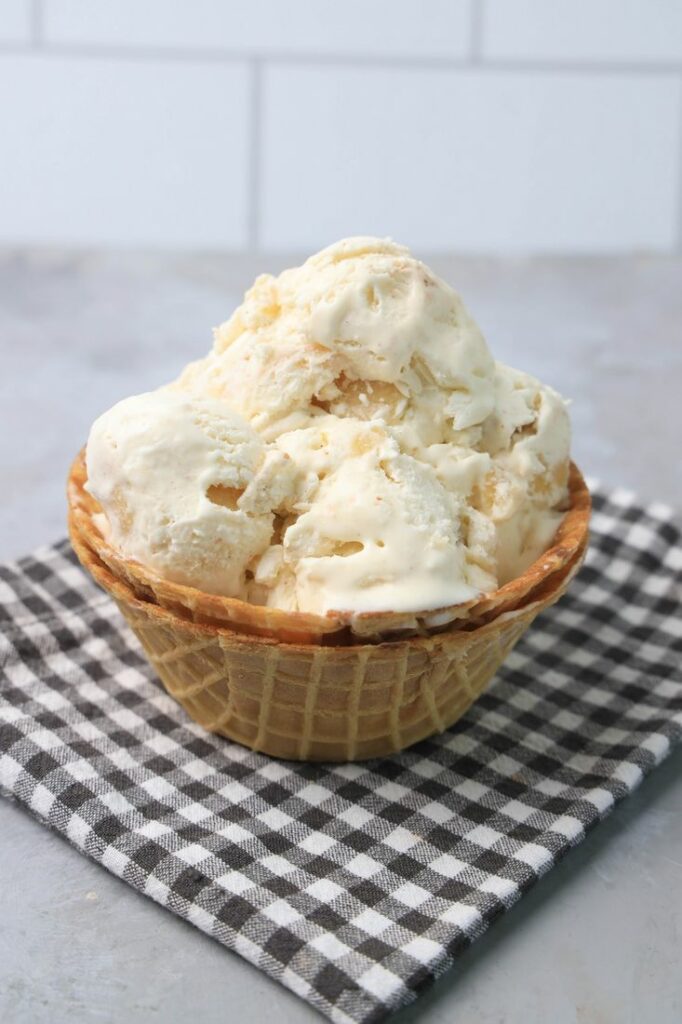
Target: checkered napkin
(354, 885)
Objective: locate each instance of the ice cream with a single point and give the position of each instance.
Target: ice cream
(380, 531)
(361, 329)
(187, 487)
(348, 444)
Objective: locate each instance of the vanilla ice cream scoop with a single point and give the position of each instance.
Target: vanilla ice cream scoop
(379, 530)
(186, 487)
(362, 323)
(516, 475)
(529, 438)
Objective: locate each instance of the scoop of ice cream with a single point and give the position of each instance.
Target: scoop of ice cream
(272, 383)
(517, 474)
(186, 487)
(529, 434)
(379, 530)
(529, 438)
(361, 328)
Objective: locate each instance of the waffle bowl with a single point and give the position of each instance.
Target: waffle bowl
(312, 688)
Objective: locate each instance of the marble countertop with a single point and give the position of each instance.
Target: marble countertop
(597, 942)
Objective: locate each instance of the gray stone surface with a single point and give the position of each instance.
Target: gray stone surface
(597, 942)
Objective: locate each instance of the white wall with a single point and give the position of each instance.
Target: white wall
(473, 125)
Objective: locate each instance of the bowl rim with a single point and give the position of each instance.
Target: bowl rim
(242, 617)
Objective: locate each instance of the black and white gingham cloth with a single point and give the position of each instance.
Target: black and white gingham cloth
(354, 885)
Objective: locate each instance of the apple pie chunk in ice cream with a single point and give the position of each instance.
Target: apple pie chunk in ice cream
(349, 444)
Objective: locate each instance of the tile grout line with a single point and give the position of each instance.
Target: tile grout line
(254, 159)
(476, 34)
(36, 16)
(372, 62)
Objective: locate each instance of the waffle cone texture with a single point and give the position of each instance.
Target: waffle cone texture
(313, 688)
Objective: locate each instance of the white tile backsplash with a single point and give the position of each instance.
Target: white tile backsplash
(470, 160)
(15, 21)
(592, 30)
(123, 152)
(439, 28)
(481, 125)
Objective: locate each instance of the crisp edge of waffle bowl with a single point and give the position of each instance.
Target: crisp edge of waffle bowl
(335, 627)
(545, 594)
